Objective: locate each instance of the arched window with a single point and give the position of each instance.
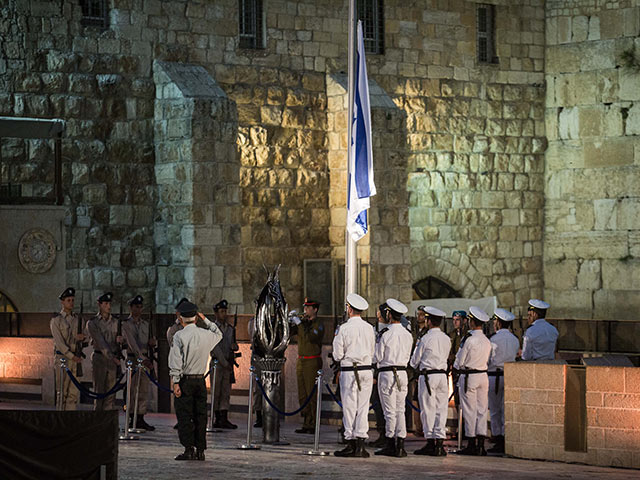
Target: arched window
(432, 287)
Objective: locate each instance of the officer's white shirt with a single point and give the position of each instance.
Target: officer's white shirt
(354, 343)
(432, 351)
(504, 348)
(539, 341)
(474, 353)
(394, 347)
(189, 354)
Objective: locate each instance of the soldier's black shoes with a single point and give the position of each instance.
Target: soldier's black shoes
(498, 446)
(360, 450)
(389, 449)
(305, 430)
(380, 442)
(348, 451)
(140, 423)
(480, 451)
(258, 423)
(199, 455)
(470, 449)
(225, 423)
(439, 450)
(400, 451)
(189, 454)
(428, 449)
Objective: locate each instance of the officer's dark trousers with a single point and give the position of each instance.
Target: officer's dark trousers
(191, 410)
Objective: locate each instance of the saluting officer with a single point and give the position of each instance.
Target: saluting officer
(353, 347)
(504, 348)
(107, 351)
(392, 353)
(225, 354)
(64, 327)
(473, 385)
(310, 333)
(539, 342)
(135, 331)
(176, 326)
(430, 359)
(188, 360)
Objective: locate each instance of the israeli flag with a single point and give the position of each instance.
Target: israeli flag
(361, 186)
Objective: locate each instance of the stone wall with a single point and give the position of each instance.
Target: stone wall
(535, 414)
(592, 233)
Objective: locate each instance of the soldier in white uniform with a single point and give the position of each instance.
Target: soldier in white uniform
(430, 360)
(504, 348)
(473, 385)
(539, 342)
(393, 350)
(64, 327)
(353, 347)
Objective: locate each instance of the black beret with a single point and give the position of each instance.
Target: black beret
(106, 297)
(221, 304)
(69, 292)
(187, 309)
(182, 300)
(137, 300)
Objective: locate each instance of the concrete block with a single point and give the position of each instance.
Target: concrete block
(549, 376)
(605, 379)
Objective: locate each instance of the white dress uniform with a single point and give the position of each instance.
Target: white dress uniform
(431, 354)
(539, 342)
(393, 350)
(473, 385)
(504, 348)
(354, 345)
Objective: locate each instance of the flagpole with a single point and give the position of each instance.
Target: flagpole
(351, 257)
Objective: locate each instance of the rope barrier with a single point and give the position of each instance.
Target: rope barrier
(286, 414)
(116, 388)
(333, 395)
(155, 382)
(410, 403)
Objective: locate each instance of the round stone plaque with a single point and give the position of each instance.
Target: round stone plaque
(37, 250)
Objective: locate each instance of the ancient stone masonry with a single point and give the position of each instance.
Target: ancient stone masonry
(592, 231)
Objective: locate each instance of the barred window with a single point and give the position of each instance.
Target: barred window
(95, 13)
(485, 33)
(371, 13)
(251, 24)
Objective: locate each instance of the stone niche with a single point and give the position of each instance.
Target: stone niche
(33, 261)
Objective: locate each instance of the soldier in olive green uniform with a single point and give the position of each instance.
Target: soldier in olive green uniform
(310, 333)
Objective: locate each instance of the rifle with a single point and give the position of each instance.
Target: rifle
(79, 343)
(235, 354)
(153, 351)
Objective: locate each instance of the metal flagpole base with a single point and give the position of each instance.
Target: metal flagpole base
(248, 446)
(316, 453)
(127, 436)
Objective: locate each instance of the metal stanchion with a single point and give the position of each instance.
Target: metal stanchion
(125, 434)
(316, 442)
(210, 428)
(139, 369)
(63, 368)
(248, 445)
(460, 427)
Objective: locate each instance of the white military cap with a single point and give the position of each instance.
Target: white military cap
(535, 303)
(504, 315)
(434, 312)
(357, 302)
(479, 314)
(397, 306)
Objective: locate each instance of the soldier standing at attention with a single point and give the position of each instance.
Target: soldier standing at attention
(64, 326)
(188, 359)
(310, 333)
(473, 385)
(392, 354)
(430, 359)
(539, 342)
(136, 333)
(504, 348)
(353, 347)
(225, 354)
(107, 351)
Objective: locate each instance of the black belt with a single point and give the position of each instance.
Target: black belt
(466, 372)
(392, 368)
(357, 368)
(426, 374)
(193, 375)
(497, 374)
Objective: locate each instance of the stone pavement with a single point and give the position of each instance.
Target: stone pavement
(151, 457)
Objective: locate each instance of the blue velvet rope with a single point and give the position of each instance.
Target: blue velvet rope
(155, 382)
(286, 414)
(116, 388)
(408, 402)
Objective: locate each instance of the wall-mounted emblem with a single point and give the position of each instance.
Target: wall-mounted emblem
(37, 250)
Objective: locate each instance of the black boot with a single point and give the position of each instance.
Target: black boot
(348, 451)
(218, 421)
(400, 451)
(225, 423)
(360, 450)
(144, 425)
(470, 449)
(258, 423)
(380, 442)
(199, 455)
(498, 446)
(389, 449)
(189, 454)
(480, 451)
(439, 451)
(428, 449)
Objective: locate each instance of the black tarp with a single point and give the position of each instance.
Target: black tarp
(38, 444)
